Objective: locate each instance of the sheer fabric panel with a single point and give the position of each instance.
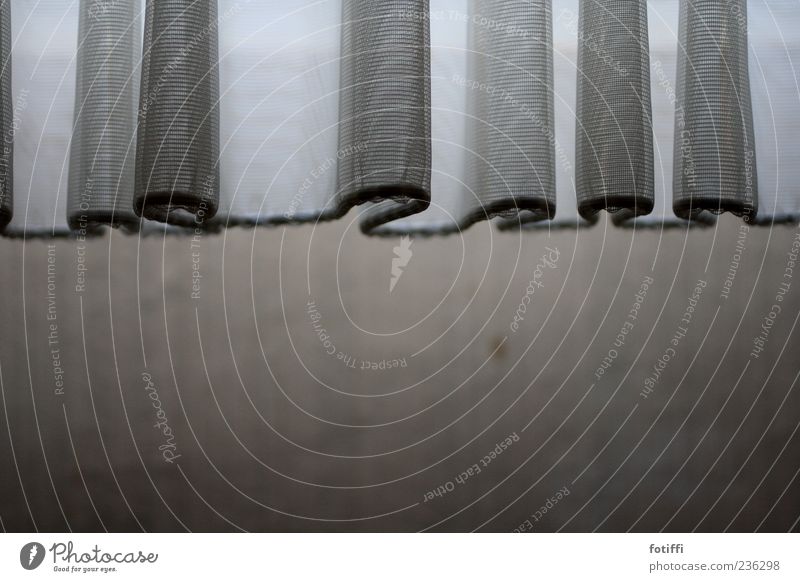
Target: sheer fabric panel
(103, 150)
(774, 27)
(715, 157)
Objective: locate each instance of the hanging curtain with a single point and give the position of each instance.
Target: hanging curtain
(6, 118)
(715, 157)
(102, 153)
(565, 16)
(177, 154)
(516, 133)
(774, 66)
(426, 115)
(43, 47)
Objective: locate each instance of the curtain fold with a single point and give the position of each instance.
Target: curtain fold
(410, 120)
(6, 118)
(774, 65)
(102, 153)
(427, 115)
(177, 170)
(663, 25)
(385, 117)
(715, 157)
(614, 165)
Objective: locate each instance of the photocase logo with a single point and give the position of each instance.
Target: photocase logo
(403, 254)
(31, 555)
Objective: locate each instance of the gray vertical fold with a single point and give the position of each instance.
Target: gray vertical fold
(177, 173)
(715, 158)
(385, 121)
(516, 129)
(6, 118)
(614, 138)
(103, 150)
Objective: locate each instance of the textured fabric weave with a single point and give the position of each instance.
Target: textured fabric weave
(43, 87)
(429, 115)
(663, 20)
(177, 171)
(385, 125)
(516, 133)
(6, 117)
(715, 157)
(103, 148)
(614, 149)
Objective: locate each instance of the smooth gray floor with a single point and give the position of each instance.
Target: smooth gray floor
(273, 433)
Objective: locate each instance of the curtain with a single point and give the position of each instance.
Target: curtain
(614, 143)
(102, 154)
(425, 115)
(774, 68)
(715, 158)
(6, 118)
(43, 48)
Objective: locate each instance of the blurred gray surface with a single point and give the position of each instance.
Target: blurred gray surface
(275, 434)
